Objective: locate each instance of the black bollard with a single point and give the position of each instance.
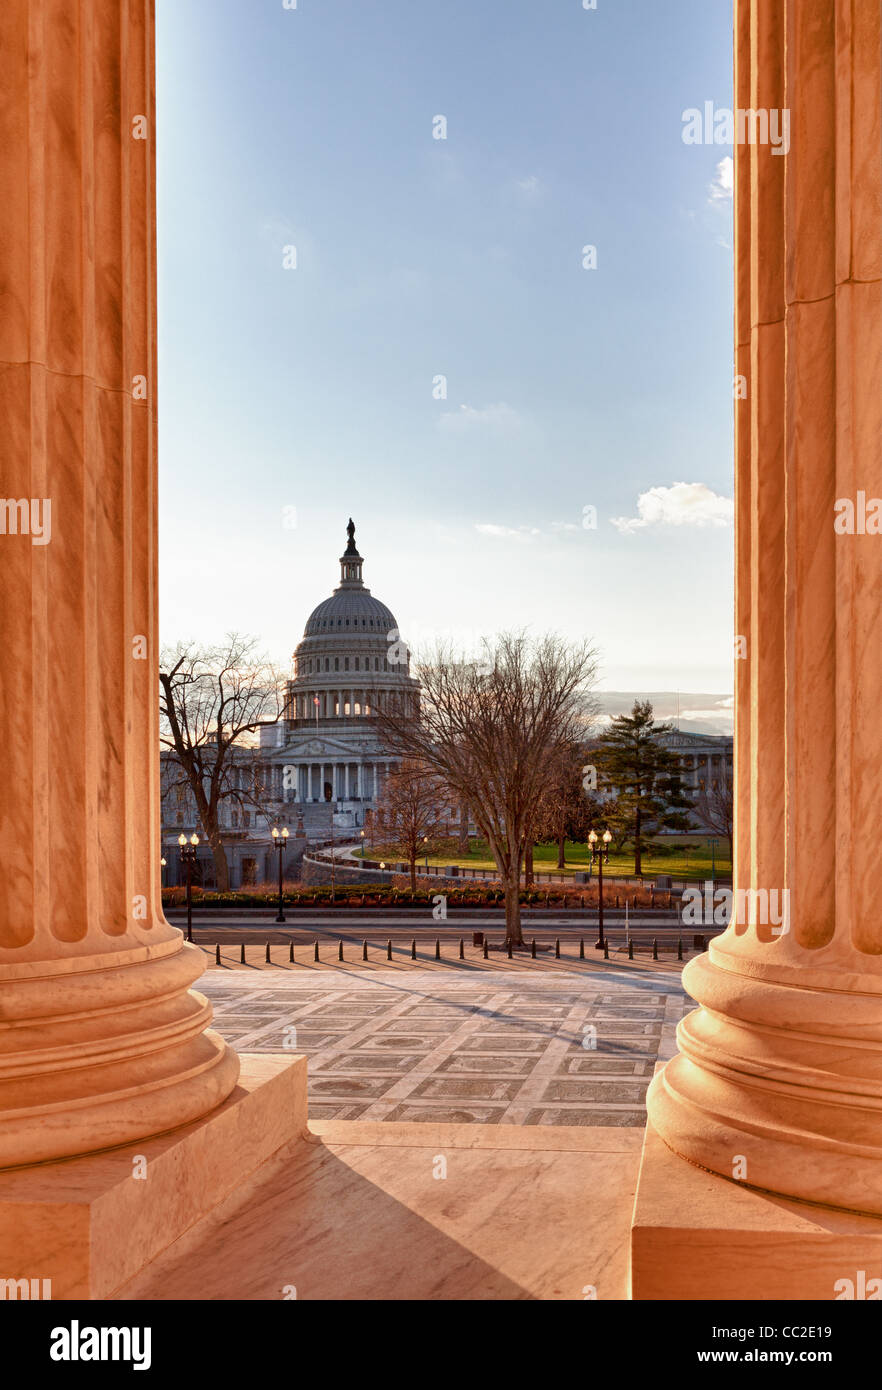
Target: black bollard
(316, 951)
(655, 948)
(533, 948)
(581, 948)
(242, 955)
(340, 951)
(485, 948)
(606, 948)
(413, 948)
(630, 948)
(291, 960)
(364, 950)
(437, 949)
(268, 961)
(679, 948)
(389, 948)
(217, 954)
(557, 949)
(461, 949)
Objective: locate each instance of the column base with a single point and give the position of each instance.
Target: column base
(90, 1224)
(779, 1073)
(696, 1235)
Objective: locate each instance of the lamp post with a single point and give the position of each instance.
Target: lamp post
(280, 841)
(426, 852)
(602, 853)
(188, 858)
(362, 844)
(162, 863)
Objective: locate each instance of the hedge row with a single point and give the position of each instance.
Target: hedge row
(393, 895)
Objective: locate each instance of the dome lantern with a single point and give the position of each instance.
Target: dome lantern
(350, 561)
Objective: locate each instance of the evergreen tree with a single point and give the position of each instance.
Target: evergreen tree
(645, 777)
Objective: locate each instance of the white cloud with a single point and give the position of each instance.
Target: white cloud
(556, 528)
(723, 187)
(715, 711)
(520, 533)
(682, 504)
(530, 189)
(499, 418)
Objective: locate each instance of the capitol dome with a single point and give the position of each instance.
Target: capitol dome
(351, 656)
(349, 608)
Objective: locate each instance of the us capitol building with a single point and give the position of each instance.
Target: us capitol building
(323, 765)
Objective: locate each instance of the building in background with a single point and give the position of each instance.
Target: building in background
(322, 767)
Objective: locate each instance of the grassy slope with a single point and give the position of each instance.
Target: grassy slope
(690, 858)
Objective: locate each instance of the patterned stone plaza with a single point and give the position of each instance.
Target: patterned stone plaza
(510, 1048)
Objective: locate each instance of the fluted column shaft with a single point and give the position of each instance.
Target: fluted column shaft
(783, 1064)
(100, 1039)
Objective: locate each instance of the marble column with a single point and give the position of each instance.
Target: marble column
(102, 1041)
(782, 1063)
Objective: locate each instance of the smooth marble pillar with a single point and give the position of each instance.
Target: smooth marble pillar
(779, 1077)
(102, 1040)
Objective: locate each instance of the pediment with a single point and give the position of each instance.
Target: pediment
(322, 747)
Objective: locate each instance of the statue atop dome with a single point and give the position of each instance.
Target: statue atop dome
(352, 548)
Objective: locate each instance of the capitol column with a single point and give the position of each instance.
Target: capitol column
(101, 1040)
(778, 1082)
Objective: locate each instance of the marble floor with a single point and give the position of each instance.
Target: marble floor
(513, 1048)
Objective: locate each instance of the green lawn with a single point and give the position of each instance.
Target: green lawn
(687, 857)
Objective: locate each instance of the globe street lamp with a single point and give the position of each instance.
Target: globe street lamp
(362, 844)
(188, 858)
(601, 854)
(426, 852)
(280, 841)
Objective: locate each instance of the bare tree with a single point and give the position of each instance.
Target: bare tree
(411, 814)
(490, 731)
(564, 811)
(714, 804)
(463, 834)
(212, 702)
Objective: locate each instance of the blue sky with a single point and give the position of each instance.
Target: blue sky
(310, 390)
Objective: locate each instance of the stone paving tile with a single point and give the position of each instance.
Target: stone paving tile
(560, 1050)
